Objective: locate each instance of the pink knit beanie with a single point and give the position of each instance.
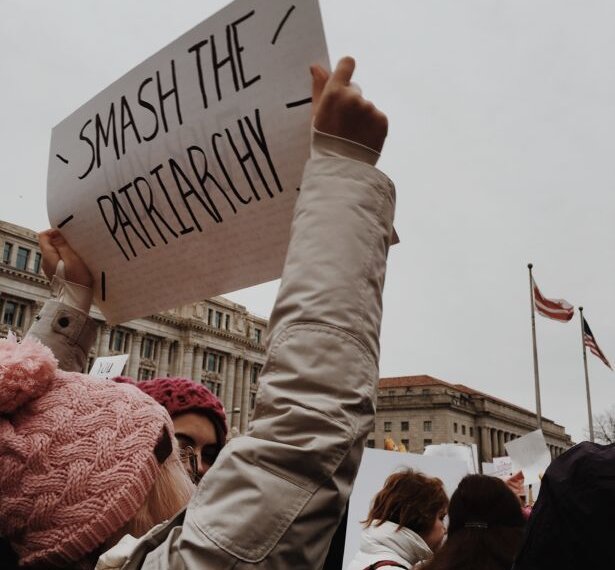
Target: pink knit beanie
(78, 455)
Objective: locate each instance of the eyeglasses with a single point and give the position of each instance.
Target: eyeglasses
(189, 458)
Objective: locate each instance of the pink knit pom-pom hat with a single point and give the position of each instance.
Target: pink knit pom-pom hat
(78, 455)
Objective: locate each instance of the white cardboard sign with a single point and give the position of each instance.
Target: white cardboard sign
(376, 466)
(108, 366)
(531, 454)
(502, 467)
(178, 181)
(467, 453)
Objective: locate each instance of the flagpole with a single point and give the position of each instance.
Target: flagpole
(589, 400)
(536, 377)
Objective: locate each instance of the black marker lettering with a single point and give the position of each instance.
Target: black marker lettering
(112, 228)
(162, 96)
(148, 106)
(124, 190)
(261, 141)
(196, 48)
(91, 145)
(105, 135)
(214, 137)
(150, 208)
(219, 64)
(239, 48)
(125, 112)
(156, 172)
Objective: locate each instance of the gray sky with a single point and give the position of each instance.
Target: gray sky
(502, 117)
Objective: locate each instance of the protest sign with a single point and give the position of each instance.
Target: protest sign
(488, 468)
(466, 453)
(108, 366)
(502, 467)
(376, 466)
(531, 454)
(178, 181)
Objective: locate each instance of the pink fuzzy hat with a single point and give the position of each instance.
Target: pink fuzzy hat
(78, 455)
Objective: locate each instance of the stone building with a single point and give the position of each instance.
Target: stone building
(422, 410)
(215, 342)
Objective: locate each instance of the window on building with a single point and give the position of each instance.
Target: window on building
(252, 400)
(463, 430)
(210, 316)
(218, 322)
(6, 253)
(426, 442)
(405, 426)
(427, 425)
(371, 443)
(23, 255)
(258, 333)
(13, 314)
(425, 391)
(455, 427)
(212, 362)
(406, 443)
(227, 322)
(391, 392)
(387, 426)
(37, 262)
(471, 431)
(148, 348)
(118, 340)
(146, 373)
(254, 374)
(212, 386)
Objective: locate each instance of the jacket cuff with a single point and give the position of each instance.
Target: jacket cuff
(67, 331)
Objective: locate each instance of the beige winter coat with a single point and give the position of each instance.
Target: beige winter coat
(274, 498)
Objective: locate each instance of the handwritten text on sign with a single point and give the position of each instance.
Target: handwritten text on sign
(178, 181)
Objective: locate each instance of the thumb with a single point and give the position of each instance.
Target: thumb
(319, 80)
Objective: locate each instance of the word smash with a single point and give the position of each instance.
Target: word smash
(195, 192)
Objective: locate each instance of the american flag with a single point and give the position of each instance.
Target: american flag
(557, 309)
(590, 342)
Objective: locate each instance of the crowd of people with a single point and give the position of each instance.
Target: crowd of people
(127, 475)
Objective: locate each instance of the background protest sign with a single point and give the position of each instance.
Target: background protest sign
(376, 466)
(178, 181)
(108, 366)
(463, 452)
(530, 454)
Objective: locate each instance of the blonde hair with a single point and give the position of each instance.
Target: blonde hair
(171, 492)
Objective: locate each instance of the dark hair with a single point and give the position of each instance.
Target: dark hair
(485, 527)
(409, 499)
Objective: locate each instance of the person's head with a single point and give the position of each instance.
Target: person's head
(485, 526)
(82, 460)
(198, 418)
(414, 501)
(571, 524)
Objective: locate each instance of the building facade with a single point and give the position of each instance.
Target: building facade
(215, 342)
(421, 410)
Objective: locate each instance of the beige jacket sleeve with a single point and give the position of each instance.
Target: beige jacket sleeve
(67, 331)
(274, 497)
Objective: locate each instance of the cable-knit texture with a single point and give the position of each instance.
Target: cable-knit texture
(76, 455)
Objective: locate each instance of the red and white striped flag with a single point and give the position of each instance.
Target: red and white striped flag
(590, 342)
(557, 309)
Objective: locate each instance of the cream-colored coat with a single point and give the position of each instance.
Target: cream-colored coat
(274, 497)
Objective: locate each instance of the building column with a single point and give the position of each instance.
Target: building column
(229, 384)
(485, 445)
(135, 355)
(237, 391)
(105, 337)
(163, 358)
(186, 370)
(197, 364)
(494, 442)
(501, 447)
(245, 400)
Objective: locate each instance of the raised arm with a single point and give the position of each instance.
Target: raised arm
(274, 497)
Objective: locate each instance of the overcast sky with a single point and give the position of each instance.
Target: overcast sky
(502, 122)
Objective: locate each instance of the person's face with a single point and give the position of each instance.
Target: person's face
(196, 432)
(435, 536)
